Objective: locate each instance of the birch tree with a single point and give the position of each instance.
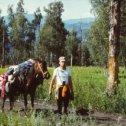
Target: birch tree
(114, 34)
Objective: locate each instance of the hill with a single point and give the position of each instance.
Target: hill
(80, 25)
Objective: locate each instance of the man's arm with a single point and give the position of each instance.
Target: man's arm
(71, 85)
(51, 85)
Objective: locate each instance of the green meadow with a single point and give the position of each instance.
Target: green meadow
(89, 89)
(89, 93)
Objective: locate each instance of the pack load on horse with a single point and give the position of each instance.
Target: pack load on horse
(23, 79)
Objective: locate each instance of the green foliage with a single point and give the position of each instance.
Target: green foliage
(51, 119)
(85, 55)
(89, 88)
(97, 39)
(53, 33)
(72, 43)
(122, 55)
(17, 24)
(30, 39)
(23, 32)
(3, 38)
(89, 91)
(98, 33)
(123, 18)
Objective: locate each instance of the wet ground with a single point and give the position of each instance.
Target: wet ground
(101, 118)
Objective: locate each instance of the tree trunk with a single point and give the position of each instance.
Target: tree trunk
(51, 59)
(3, 52)
(114, 34)
(71, 62)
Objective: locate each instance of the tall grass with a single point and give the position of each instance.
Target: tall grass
(89, 85)
(89, 88)
(2, 70)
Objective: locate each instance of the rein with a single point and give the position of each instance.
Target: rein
(41, 70)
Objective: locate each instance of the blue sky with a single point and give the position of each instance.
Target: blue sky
(73, 8)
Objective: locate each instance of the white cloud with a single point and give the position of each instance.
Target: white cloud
(73, 8)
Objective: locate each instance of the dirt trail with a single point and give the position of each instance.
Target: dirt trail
(99, 117)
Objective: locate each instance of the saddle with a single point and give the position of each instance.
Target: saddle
(3, 79)
(26, 68)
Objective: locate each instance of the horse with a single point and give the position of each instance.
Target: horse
(25, 84)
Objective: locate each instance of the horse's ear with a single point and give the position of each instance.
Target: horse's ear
(41, 59)
(38, 59)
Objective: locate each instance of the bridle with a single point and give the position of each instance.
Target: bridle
(43, 73)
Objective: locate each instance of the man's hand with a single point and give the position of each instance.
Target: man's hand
(50, 93)
(72, 93)
(51, 85)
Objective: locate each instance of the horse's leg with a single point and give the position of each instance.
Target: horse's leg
(32, 99)
(25, 101)
(29, 80)
(3, 99)
(11, 98)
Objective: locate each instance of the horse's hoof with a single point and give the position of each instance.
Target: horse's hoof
(2, 111)
(11, 109)
(32, 107)
(26, 109)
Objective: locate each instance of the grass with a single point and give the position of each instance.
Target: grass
(2, 70)
(89, 85)
(15, 119)
(89, 88)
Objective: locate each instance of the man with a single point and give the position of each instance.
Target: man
(64, 87)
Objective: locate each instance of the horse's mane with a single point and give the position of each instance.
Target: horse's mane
(37, 63)
(38, 59)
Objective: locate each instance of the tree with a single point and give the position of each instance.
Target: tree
(36, 24)
(18, 28)
(23, 33)
(122, 55)
(85, 55)
(33, 33)
(3, 40)
(98, 33)
(72, 47)
(123, 18)
(53, 33)
(114, 37)
(97, 37)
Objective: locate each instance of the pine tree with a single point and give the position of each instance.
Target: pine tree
(98, 33)
(3, 41)
(53, 34)
(72, 43)
(18, 28)
(36, 25)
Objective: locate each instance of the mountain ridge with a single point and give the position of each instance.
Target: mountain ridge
(81, 25)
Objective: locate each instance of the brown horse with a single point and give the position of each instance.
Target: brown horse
(25, 85)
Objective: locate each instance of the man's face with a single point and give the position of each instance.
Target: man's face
(62, 63)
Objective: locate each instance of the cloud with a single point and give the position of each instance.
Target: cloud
(73, 8)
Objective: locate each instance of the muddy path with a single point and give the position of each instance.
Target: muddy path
(101, 118)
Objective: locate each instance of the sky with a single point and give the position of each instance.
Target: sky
(73, 9)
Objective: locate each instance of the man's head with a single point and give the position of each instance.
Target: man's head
(62, 61)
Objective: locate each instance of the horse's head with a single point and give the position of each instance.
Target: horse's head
(41, 69)
(44, 70)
